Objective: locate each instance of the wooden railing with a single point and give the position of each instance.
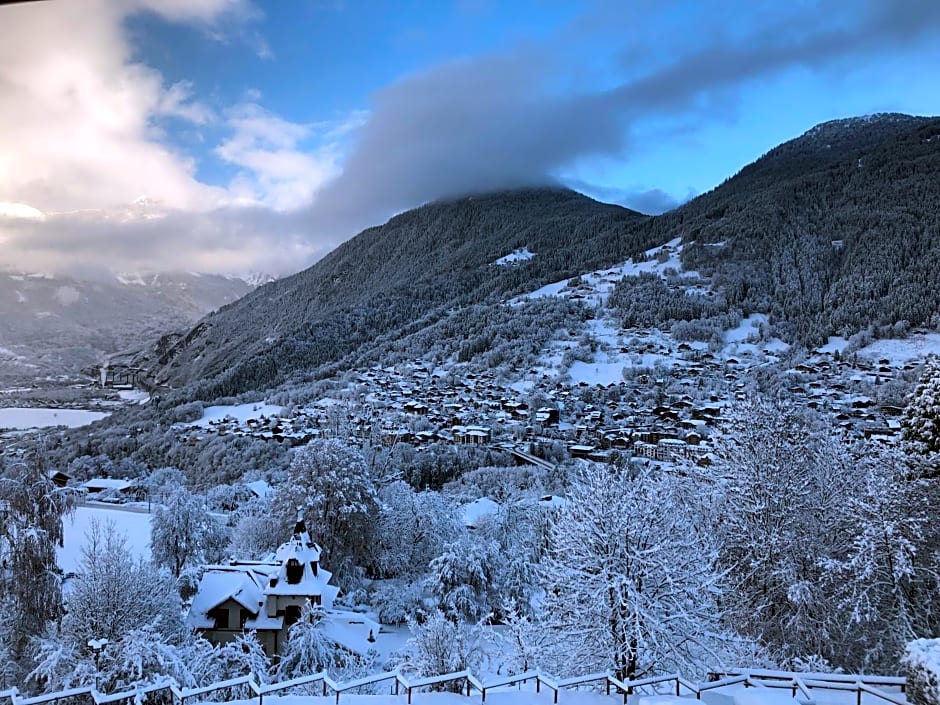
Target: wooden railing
(889, 689)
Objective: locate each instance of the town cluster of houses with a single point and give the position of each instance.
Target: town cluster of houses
(418, 404)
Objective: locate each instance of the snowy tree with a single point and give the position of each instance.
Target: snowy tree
(257, 531)
(438, 646)
(31, 511)
(464, 578)
(142, 656)
(242, 656)
(921, 421)
(630, 583)
(397, 600)
(412, 529)
(331, 482)
(518, 529)
(522, 640)
(162, 482)
(781, 486)
(183, 533)
(887, 581)
(310, 650)
(112, 592)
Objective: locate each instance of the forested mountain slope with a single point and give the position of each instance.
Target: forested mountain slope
(831, 233)
(419, 265)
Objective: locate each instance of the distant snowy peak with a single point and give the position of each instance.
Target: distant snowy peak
(256, 279)
(515, 257)
(182, 279)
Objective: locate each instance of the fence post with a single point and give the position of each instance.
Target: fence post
(677, 687)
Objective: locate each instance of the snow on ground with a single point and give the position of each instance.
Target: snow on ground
(134, 525)
(524, 695)
(240, 412)
(747, 329)
(596, 286)
(897, 352)
(835, 344)
(516, 256)
(523, 386)
(22, 418)
(596, 372)
(135, 395)
(608, 368)
(477, 510)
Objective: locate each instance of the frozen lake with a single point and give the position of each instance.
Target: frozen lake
(19, 418)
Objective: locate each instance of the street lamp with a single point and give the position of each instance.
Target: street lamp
(97, 646)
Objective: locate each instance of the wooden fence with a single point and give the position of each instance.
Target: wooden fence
(882, 690)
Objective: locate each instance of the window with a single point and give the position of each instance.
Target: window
(291, 615)
(219, 615)
(295, 571)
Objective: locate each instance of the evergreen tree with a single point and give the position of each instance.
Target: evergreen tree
(921, 421)
(31, 511)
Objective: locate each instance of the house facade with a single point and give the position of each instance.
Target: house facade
(268, 597)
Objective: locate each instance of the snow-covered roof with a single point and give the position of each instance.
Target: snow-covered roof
(219, 583)
(310, 579)
(259, 487)
(106, 483)
(477, 509)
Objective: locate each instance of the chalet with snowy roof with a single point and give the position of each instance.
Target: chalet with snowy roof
(267, 598)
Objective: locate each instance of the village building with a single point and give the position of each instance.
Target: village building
(268, 597)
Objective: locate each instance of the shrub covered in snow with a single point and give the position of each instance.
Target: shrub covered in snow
(922, 668)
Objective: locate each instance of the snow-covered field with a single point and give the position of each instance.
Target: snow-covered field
(25, 418)
(918, 346)
(239, 412)
(516, 256)
(602, 282)
(135, 395)
(134, 525)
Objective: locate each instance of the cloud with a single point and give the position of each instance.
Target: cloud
(78, 114)
(88, 176)
(275, 170)
(527, 114)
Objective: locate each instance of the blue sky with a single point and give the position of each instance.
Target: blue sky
(231, 135)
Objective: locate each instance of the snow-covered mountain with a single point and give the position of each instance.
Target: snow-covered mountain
(829, 234)
(56, 324)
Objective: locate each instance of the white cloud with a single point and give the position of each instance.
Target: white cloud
(78, 114)
(279, 168)
(86, 173)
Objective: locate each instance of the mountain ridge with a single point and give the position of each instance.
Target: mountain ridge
(777, 219)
